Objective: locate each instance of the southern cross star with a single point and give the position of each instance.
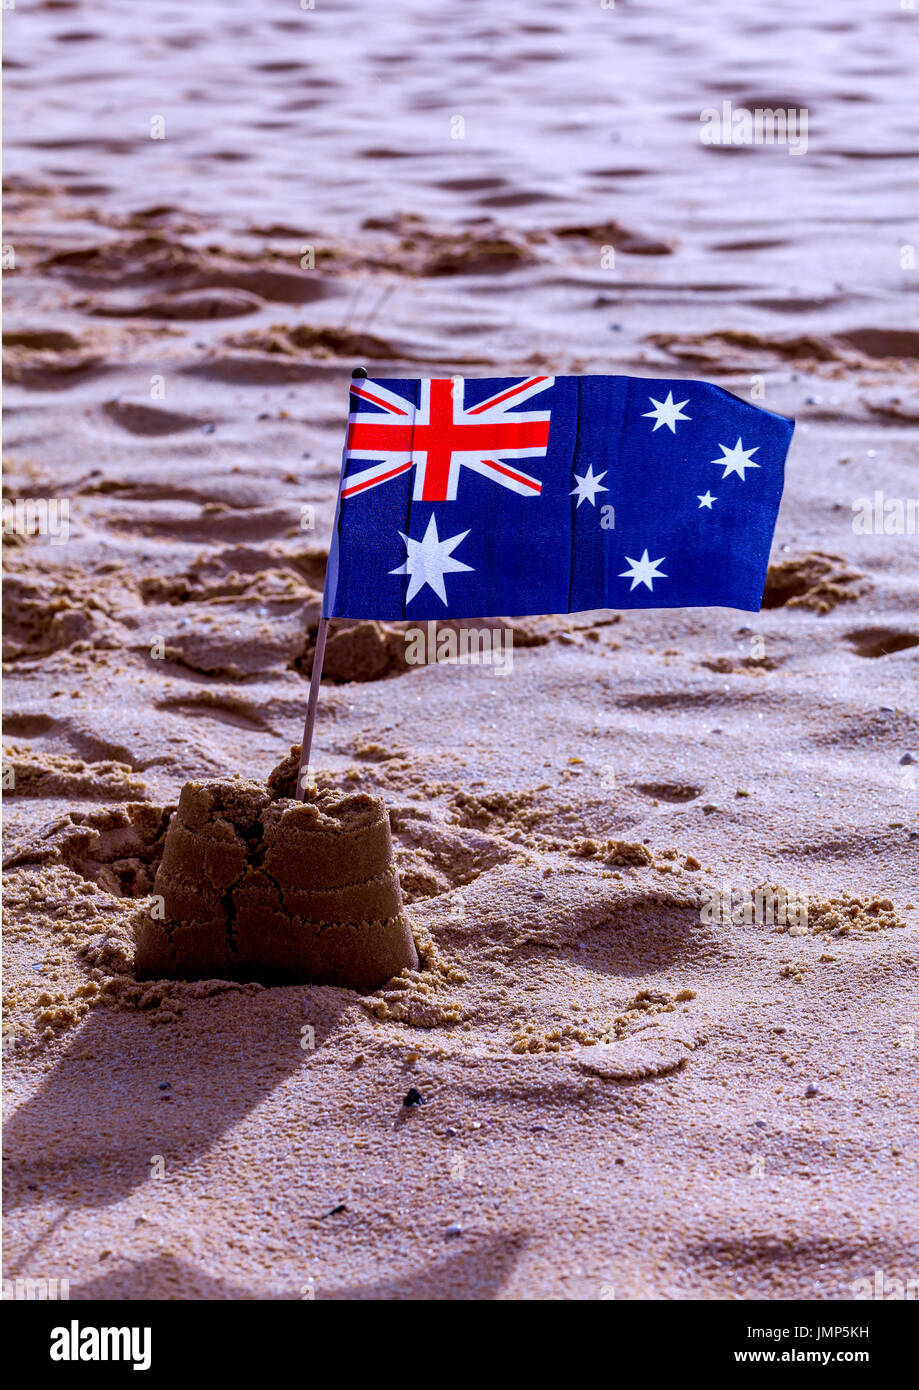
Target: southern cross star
(737, 459)
(666, 413)
(643, 571)
(706, 499)
(588, 486)
(428, 560)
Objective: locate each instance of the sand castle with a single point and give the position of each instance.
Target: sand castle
(256, 885)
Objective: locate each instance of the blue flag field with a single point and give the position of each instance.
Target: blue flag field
(467, 497)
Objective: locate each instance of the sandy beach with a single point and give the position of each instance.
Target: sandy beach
(632, 1087)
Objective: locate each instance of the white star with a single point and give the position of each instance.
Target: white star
(706, 499)
(667, 412)
(643, 571)
(429, 560)
(737, 459)
(588, 486)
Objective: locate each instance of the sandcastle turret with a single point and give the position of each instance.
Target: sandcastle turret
(257, 886)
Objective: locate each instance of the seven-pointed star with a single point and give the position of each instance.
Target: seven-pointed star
(706, 499)
(588, 486)
(737, 459)
(643, 571)
(667, 412)
(429, 560)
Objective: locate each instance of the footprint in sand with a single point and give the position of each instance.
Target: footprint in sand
(232, 641)
(195, 307)
(158, 258)
(818, 581)
(657, 1050)
(434, 858)
(118, 847)
(42, 340)
(212, 704)
(881, 641)
(212, 522)
(676, 792)
(148, 420)
(51, 371)
(30, 773)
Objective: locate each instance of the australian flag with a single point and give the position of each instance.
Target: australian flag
(495, 497)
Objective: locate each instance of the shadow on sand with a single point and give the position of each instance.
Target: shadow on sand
(476, 1269)
(127, 1090)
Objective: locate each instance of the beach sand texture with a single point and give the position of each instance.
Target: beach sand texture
(214, 213)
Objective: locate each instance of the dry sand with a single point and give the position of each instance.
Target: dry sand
(623, 1098)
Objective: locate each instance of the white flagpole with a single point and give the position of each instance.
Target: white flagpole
(315, 681)
(310, 721)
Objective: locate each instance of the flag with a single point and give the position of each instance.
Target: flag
(495, 497)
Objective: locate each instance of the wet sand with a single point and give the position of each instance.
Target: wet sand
(622, 1096)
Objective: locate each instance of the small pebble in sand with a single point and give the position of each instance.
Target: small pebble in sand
(450, 1132)
(907, 759)
(812, 1089)
(413, 1097)
(454, 1229)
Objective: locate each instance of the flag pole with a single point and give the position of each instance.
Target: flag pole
(315, 682)
(310, 721)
